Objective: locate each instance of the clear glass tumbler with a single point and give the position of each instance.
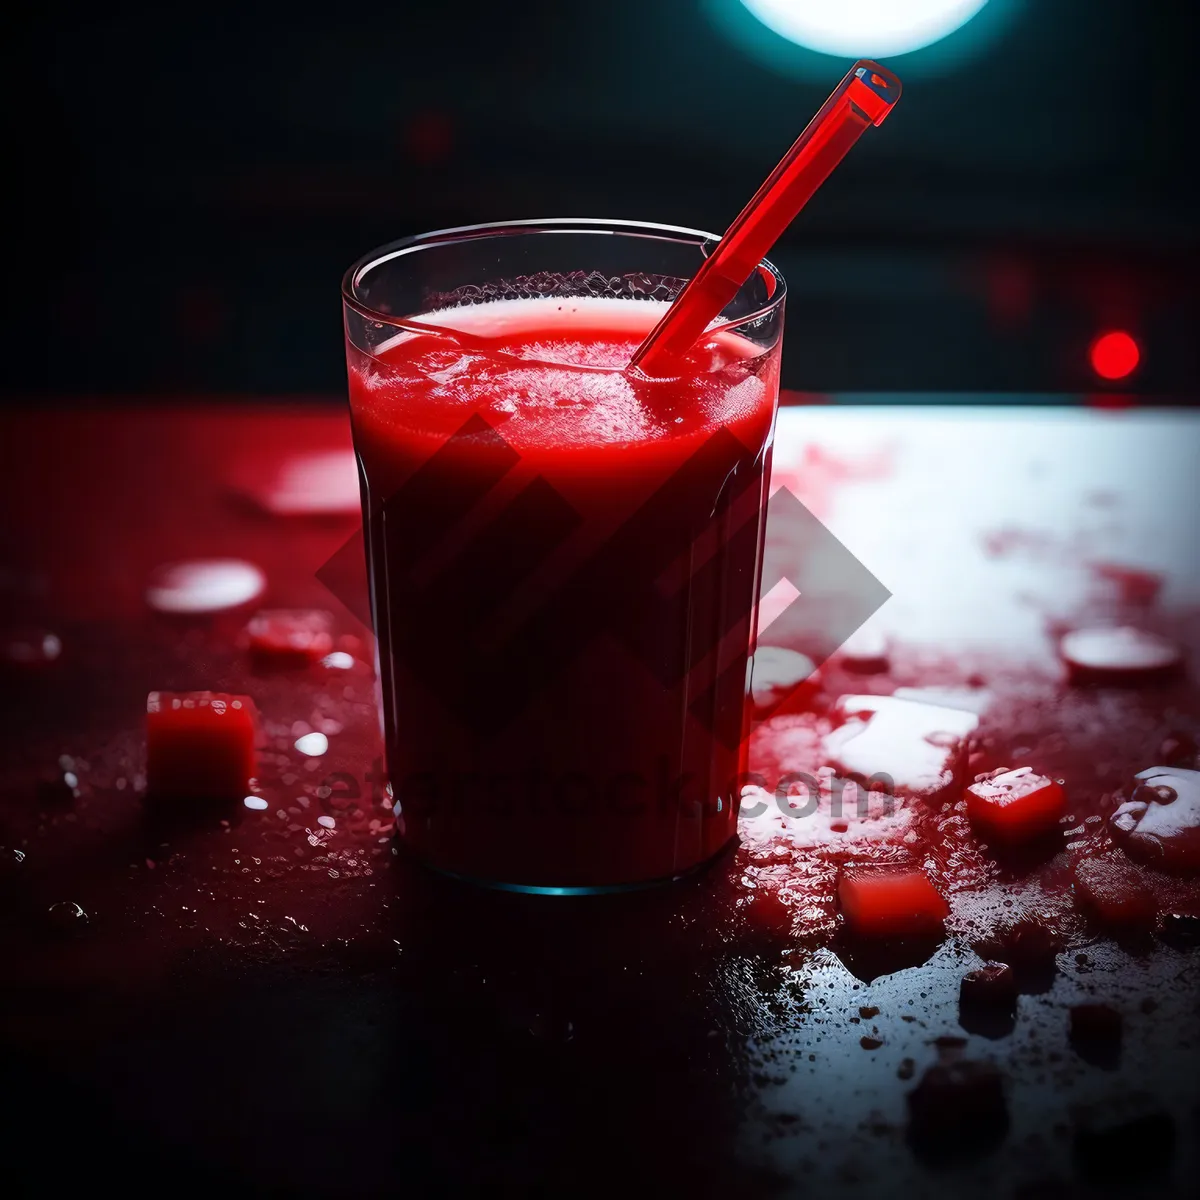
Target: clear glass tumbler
(564, 556)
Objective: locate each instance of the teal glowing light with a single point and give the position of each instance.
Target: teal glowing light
(527, 889)
(610, 889)
(864, 28)
(919, 37)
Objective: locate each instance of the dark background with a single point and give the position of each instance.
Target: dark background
(190, 182)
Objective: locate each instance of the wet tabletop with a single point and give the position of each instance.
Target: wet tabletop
(270, 1000)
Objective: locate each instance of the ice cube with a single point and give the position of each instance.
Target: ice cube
(204, 586)
(917, 746)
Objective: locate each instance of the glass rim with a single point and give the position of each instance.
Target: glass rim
(613, 227)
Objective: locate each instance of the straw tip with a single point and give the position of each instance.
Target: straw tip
(874, 89)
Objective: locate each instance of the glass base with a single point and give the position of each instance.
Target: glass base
(536, 890)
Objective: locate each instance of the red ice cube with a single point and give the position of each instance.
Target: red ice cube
(1113, 891)
(199, 745)
(991, 984)
(1015, 806)
(957, 1111)
(1095, 1034)
(987, 1000)
(769, 915)
(1030, 945)
(289, 637)
(1127, 1138)
(890, 900)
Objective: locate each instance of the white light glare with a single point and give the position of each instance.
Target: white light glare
(856, 28)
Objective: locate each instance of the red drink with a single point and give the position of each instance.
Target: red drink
(564, 561)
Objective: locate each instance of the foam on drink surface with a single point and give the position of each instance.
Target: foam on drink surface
(558, 379)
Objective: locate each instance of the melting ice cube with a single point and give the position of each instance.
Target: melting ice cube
(204, 585)
(1160, 825)
(919, 746)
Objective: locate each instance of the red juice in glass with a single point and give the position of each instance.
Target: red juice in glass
(564, 561)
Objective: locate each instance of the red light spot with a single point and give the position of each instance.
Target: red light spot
(1114, 355)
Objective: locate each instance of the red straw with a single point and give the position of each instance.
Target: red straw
(862, 99)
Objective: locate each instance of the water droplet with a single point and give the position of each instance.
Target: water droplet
(66, 917)
(1180, 927)
(552, 1027)
(257, 803)
(776, 674)
(12, 862)
(339, 660)
(30, 648)
(1117, 654)
(204, 586)
(312, 744)
(59, 791)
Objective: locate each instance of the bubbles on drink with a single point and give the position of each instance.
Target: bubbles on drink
(560, 379)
